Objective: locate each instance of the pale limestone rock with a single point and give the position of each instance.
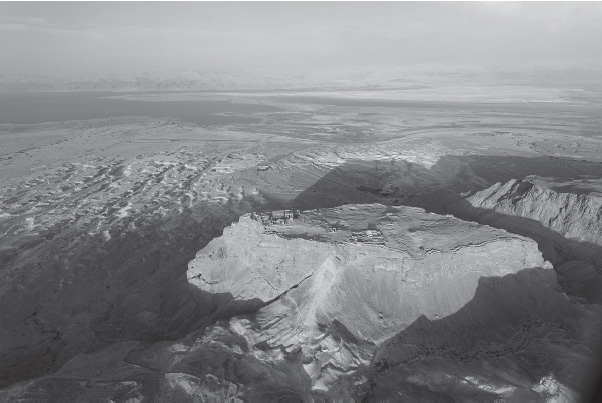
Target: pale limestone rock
(567, 227)
(577, 217)
(344, 292)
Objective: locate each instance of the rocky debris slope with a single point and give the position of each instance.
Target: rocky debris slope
(567, 227)
(360, 301)
(95, 251)
(209, 365)
(349, 278)
(517, 332)
(577, 217)
(352, 303)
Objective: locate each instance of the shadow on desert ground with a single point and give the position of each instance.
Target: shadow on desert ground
(438, 189)
(134, 286)
(131, 287)
(509, 330)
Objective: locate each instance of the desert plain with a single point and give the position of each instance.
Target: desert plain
(435, 241)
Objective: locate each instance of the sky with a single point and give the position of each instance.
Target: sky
(71, 38)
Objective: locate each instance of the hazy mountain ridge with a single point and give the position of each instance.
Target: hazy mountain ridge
(326, 202)
(387, 76)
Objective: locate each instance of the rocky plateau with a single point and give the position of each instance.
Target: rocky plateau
(335, 248)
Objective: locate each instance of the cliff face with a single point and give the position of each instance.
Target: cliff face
(349, 278)
(352, 303)
(400, 261)
(577, 217)
(567, 227)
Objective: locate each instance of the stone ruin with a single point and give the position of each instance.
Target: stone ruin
(277, 217)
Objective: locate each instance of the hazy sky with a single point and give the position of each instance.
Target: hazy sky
(118, 37)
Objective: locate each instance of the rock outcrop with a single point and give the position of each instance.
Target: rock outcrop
(567, 227)
(574, 216)
(353, 303)
(363, 250)
(95, 251)
(348, 279)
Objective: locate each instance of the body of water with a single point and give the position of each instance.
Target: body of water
(29, 108)
(518, 107)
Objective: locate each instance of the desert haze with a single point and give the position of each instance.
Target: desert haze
(300, 202)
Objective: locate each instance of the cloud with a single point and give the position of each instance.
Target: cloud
(12, 27)
(24, 20)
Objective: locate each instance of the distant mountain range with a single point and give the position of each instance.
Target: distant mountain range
(347, 77)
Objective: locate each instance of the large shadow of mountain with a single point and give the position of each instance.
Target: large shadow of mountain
(440, 189)
(413, 184)
(443, 189)
(578, 264)
(134, 286)
(131, 287)
(516, 330)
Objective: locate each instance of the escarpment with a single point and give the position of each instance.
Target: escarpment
(567, 227)
(370, 251)
(352, 303)
(149, 259)
(349, 278)
(574, 216)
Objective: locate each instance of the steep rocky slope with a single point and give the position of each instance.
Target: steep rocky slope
(574, 216)
(355, 302)
(518, 339)
(95, 252)
(567, 227)
(357, 275)
(99, 220)
(371, 269)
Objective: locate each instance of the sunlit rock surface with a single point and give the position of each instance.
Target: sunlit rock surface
(357, 275)
(567, 227)
(574, 216)
(516, 330)
(352, 303)
(100, 218)
(393, 262)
